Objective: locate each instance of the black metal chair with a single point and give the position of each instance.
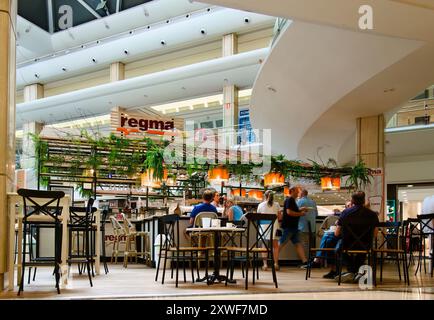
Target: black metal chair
(355, 245)
(412, 240)
(254, 253)
(330, 252)
(170, 249)
(102, 230)
(427, 232)
(390, 245)
(51, 209)
(81, 225)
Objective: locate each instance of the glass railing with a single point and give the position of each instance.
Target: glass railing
(415, 113)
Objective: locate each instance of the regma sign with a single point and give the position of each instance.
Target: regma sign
(145, 124)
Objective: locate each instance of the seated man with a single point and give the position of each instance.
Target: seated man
(206, 206)
(360, 220)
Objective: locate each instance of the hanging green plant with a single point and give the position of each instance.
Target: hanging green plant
(154, 160)
(360, 177)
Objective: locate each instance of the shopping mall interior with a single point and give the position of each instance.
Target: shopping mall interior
(330, 98)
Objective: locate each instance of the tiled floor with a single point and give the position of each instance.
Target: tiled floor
(137, 282)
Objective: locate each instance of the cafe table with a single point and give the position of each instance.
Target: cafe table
(15, 202)
(218, 231)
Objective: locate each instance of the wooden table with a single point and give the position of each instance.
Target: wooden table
(65, 202)
(216, 276)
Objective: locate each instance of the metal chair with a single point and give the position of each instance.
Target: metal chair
(131, 238)
(426, 222)
(81, 224)
(253, 253)
(389, 243)
(354, 244)
(50, 209)
(119, 234)
(170, 249)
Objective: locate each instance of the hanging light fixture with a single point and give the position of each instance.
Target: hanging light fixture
(218, 174)
(286, 191)
(330, 183)
(238, 193)
(273, 179)
(148, 180)
(256, 194)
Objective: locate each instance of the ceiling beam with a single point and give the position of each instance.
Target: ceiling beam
(50, 16)
(89, 8)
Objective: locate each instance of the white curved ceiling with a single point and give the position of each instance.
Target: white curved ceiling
(30, 35)
(125, 48)
(151, 89)
(326, 72)
(311, 68)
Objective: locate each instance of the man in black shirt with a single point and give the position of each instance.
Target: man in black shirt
(291, 216)
(362, 222)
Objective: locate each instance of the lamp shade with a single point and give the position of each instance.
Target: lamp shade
(148, 180)
(274, 179)
(256, 194)
(286, 191)
(239, 193)
(218, 174)
(330, 183)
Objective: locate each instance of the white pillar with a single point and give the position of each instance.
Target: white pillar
(230, 92)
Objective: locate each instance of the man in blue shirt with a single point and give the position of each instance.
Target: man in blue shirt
(311, 214)
(206, 206)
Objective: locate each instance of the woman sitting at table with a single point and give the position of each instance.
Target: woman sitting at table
(232, 211)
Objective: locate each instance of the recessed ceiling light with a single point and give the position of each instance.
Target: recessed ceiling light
(94, 60)
(64, 69)
(36, 76)
(410, 186)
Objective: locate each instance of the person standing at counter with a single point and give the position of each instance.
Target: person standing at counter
(291, 217)
(269, 206)
(310, 217)
(206, 206)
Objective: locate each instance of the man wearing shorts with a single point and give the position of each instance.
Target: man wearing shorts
(291, 217)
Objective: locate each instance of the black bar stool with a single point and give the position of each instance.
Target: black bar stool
(52, 210)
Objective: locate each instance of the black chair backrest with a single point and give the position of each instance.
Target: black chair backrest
(76, 216)
(357, 236)
(388, 235)
(255, 223)
(51, 206)
(426, 223)
(170, 231)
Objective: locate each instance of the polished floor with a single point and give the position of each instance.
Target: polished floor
(137, 282)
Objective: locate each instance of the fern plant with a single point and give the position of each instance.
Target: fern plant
(360, 177)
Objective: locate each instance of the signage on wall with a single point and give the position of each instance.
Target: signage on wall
(246, 134)
(375, 191)
(136, 124)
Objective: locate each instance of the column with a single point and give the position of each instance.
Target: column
(8, 9)
(230, 92)
(28, 158)
(370, 141)
(117, 71)
(370, 148)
